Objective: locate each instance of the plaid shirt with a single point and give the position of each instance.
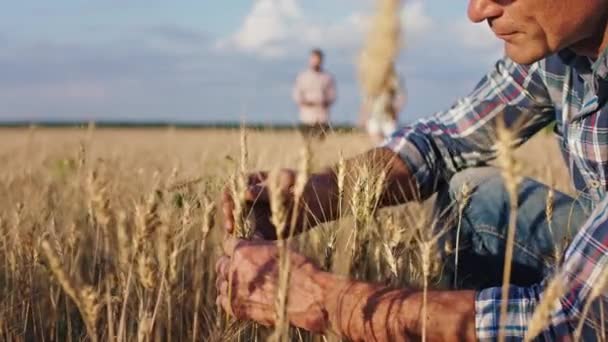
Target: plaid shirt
(567, 89)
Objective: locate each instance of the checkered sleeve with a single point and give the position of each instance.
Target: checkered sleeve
(585, 278)
(464, 136)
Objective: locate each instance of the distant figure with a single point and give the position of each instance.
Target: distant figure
(314, 92)
(379, 115)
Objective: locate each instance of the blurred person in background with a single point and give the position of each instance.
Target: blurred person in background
(314, 92)
(380, 114)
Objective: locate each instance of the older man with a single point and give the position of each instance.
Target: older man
(555, 71)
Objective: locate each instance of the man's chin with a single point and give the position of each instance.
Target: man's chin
(525, 55)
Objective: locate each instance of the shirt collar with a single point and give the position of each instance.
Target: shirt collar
(584, 65)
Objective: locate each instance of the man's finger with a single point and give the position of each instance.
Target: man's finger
(223, 289)
(217, 267)
(218, 282)
(225, 304)
(227, 211)
(221, 266)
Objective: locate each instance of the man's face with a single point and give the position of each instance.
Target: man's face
(534, 29)
(315, 61)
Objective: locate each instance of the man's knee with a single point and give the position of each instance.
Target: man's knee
(467, 181)
(472, 178)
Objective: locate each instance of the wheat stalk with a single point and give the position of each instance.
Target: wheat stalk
(85, 297)
(279, 212)
(340, 179)
(144, 327)
(124, 243)
(282, 324)
(465, 194)
(147, 224)
(279, 220)
(238, 187)
(381, 48)
(208, 210)
(426, 266)
(510, 170)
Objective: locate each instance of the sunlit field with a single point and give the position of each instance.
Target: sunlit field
(112, 234)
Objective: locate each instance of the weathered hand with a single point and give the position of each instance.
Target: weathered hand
(252, 267)
(316, 204)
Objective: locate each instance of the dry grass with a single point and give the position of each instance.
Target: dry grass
(97, 240)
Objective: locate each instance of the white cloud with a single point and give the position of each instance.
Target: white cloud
(265, 29)
(346, 33)
(274, 28)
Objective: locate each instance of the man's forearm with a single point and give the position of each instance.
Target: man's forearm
(325, 196)
(366, 312)
(399, 184)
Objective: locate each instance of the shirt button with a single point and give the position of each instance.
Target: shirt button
(594, 184)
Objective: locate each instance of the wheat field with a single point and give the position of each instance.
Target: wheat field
(112, 234)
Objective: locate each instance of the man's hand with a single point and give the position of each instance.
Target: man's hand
(321, 302)
(252, 267)
(316, 205)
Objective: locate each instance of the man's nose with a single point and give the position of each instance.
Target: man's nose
(480, 10)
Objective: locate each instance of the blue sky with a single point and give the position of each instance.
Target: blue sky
(218, 60)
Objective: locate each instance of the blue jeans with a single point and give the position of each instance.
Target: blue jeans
(484, 226)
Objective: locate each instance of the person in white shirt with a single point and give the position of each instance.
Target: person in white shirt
(314, 92)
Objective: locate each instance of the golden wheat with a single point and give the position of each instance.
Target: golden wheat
(510, 170)
(127, 291)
